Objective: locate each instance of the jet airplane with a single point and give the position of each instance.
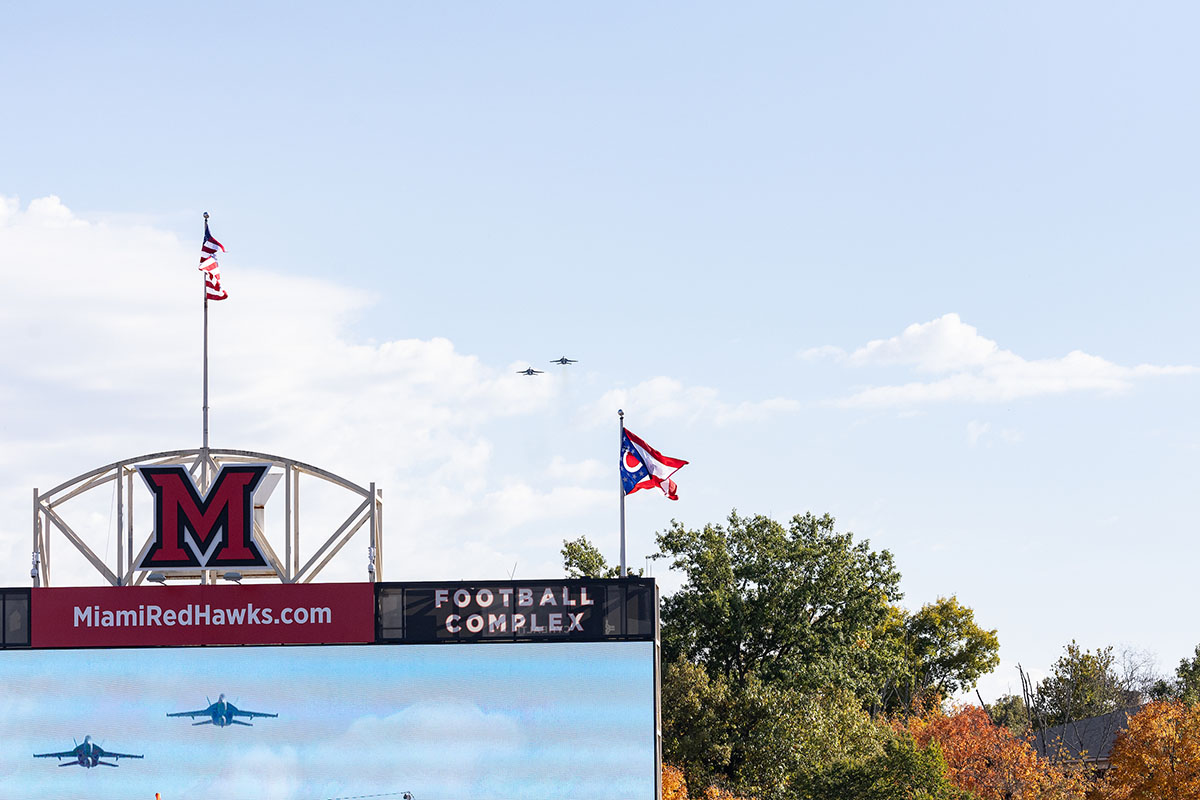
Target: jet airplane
(221, 714)
(87, 755)
(564, 361)
(529, 371)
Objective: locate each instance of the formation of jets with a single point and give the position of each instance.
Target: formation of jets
(89, 754)
(531, 371)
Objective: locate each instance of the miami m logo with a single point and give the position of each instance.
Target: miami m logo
(194, 532)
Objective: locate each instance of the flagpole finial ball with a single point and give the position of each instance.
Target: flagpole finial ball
(206, 215)
(620, 412)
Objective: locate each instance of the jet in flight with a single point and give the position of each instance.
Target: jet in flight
(221, 713)
(564, 361)
(529, 371)
(87, 755)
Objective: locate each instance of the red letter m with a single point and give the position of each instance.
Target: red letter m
(216, 530)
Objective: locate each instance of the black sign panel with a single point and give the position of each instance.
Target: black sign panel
(14, 618)
(565, 610)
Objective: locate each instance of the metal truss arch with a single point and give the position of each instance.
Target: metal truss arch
(203, 464)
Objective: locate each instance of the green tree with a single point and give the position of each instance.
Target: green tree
(1081, 684)
(696, 713)
(904, 771)
(1187, 679)
(797, 606)
(946, 651)
(1010, 711)
(786, 734)
(1184, 687)
(756, 741)
(582, 559)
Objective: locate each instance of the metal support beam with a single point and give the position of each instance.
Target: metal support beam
(303, 573)
(80, 545)
(341, 543)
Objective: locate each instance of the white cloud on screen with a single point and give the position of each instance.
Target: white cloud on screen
(976, 369)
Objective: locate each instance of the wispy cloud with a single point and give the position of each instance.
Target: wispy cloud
(973, 368)
(665, 398)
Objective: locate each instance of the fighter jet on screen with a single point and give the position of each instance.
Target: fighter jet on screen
(87, 755)
(221, 713)
(529, 371)
(564, 361)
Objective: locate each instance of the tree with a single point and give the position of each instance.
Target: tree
(1157, 757)
(760, 739)
(950, 652)
(674, 787)
(942, 651)
(582, 559)
(1010, 711)
(784, 734)
(1185, 686)
(1187, 679)
(798, 605)
(987, 760)
(696, 712)
(1081, 684)
(903, 771)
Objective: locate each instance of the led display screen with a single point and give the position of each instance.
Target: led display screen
(528, 720)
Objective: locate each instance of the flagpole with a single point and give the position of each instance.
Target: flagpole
(621, 487)
(205, 286)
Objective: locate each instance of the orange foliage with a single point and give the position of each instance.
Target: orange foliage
(989, 761)
(1158, 756)
(674, 787)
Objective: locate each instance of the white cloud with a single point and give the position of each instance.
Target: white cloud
(976, 369)
(664, 398)
(102, 324)
(588, 470)
(822, 352)
(976, 430)
(942, 345)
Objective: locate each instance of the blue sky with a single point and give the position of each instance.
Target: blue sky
(927, 267)
(439, 721)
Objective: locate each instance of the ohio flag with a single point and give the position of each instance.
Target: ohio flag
(643, 467)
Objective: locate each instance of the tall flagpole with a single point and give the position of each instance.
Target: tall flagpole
(205, 286)
(621, 486)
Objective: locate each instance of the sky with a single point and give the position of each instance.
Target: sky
(490, 721)
(926, 267)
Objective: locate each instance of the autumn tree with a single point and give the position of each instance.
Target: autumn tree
(987, 760)
(1157, 757)
(674, 787)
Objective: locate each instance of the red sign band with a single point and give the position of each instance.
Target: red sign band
(153, 616)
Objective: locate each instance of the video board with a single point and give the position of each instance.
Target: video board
(562, 705)
(534, 720)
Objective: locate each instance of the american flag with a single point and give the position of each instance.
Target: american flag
(210, 267)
